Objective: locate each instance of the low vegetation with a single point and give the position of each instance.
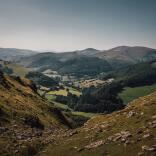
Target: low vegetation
(27, 122)
(10, 68)
(128, 132)
(41, 79)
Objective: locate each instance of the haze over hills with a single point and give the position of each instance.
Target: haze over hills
(101, 61)
(90, 60)
(88, 52)
(122, 56)
(73, 63)
(129, 54)
(12, 53)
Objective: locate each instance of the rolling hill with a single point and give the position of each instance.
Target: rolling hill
(124, 55)
(88, 52)
(12, 68)
(67, 63)
(101, 61)
(9, 54)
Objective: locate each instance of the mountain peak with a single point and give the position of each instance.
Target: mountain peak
(88, 51)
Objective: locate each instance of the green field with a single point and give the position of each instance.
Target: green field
(65, 107)
(130, 94)
(62, 106)
(84, 114)
(64, 92)
(51, 96)
(18, 69)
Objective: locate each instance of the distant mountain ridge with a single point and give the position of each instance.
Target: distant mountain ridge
(76, 61)
(9, 54)
(88, 52)
(127, 54)
(67, 63)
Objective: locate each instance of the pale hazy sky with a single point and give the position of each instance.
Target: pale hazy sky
(63, 25)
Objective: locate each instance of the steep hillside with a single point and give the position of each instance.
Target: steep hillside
(11, 68)
(128, 132)
(27, 122)
(124, 55)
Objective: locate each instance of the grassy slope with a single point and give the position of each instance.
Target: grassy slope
(18, 69)
(65, 108)
(104, 126)
(16, 102)
(22, 99)
(129, 94)
(64, 92)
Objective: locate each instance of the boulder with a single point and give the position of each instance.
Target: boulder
(95, 144)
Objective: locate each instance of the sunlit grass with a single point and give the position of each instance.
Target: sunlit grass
(64, 92)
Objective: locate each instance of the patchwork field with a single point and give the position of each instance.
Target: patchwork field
(65, 91)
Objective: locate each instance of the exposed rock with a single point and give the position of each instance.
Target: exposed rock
(147, 148)
(127, 142)
(122, 136)
(95, 144)
(131, 113)
(152, 124)
(142, 113)
(140, 153)
(146, 136)
(144, 148)
(154, 117)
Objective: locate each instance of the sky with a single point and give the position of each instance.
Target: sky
(66, 25)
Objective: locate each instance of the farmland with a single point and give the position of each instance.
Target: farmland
(64, 92)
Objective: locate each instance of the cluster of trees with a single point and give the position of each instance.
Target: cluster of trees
(81, 66)
(41, 79)
(76, 66)
(105, 99)
(93, 100)
(137, 75)
(6, 70)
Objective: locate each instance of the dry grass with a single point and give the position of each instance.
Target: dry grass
(104, 126)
